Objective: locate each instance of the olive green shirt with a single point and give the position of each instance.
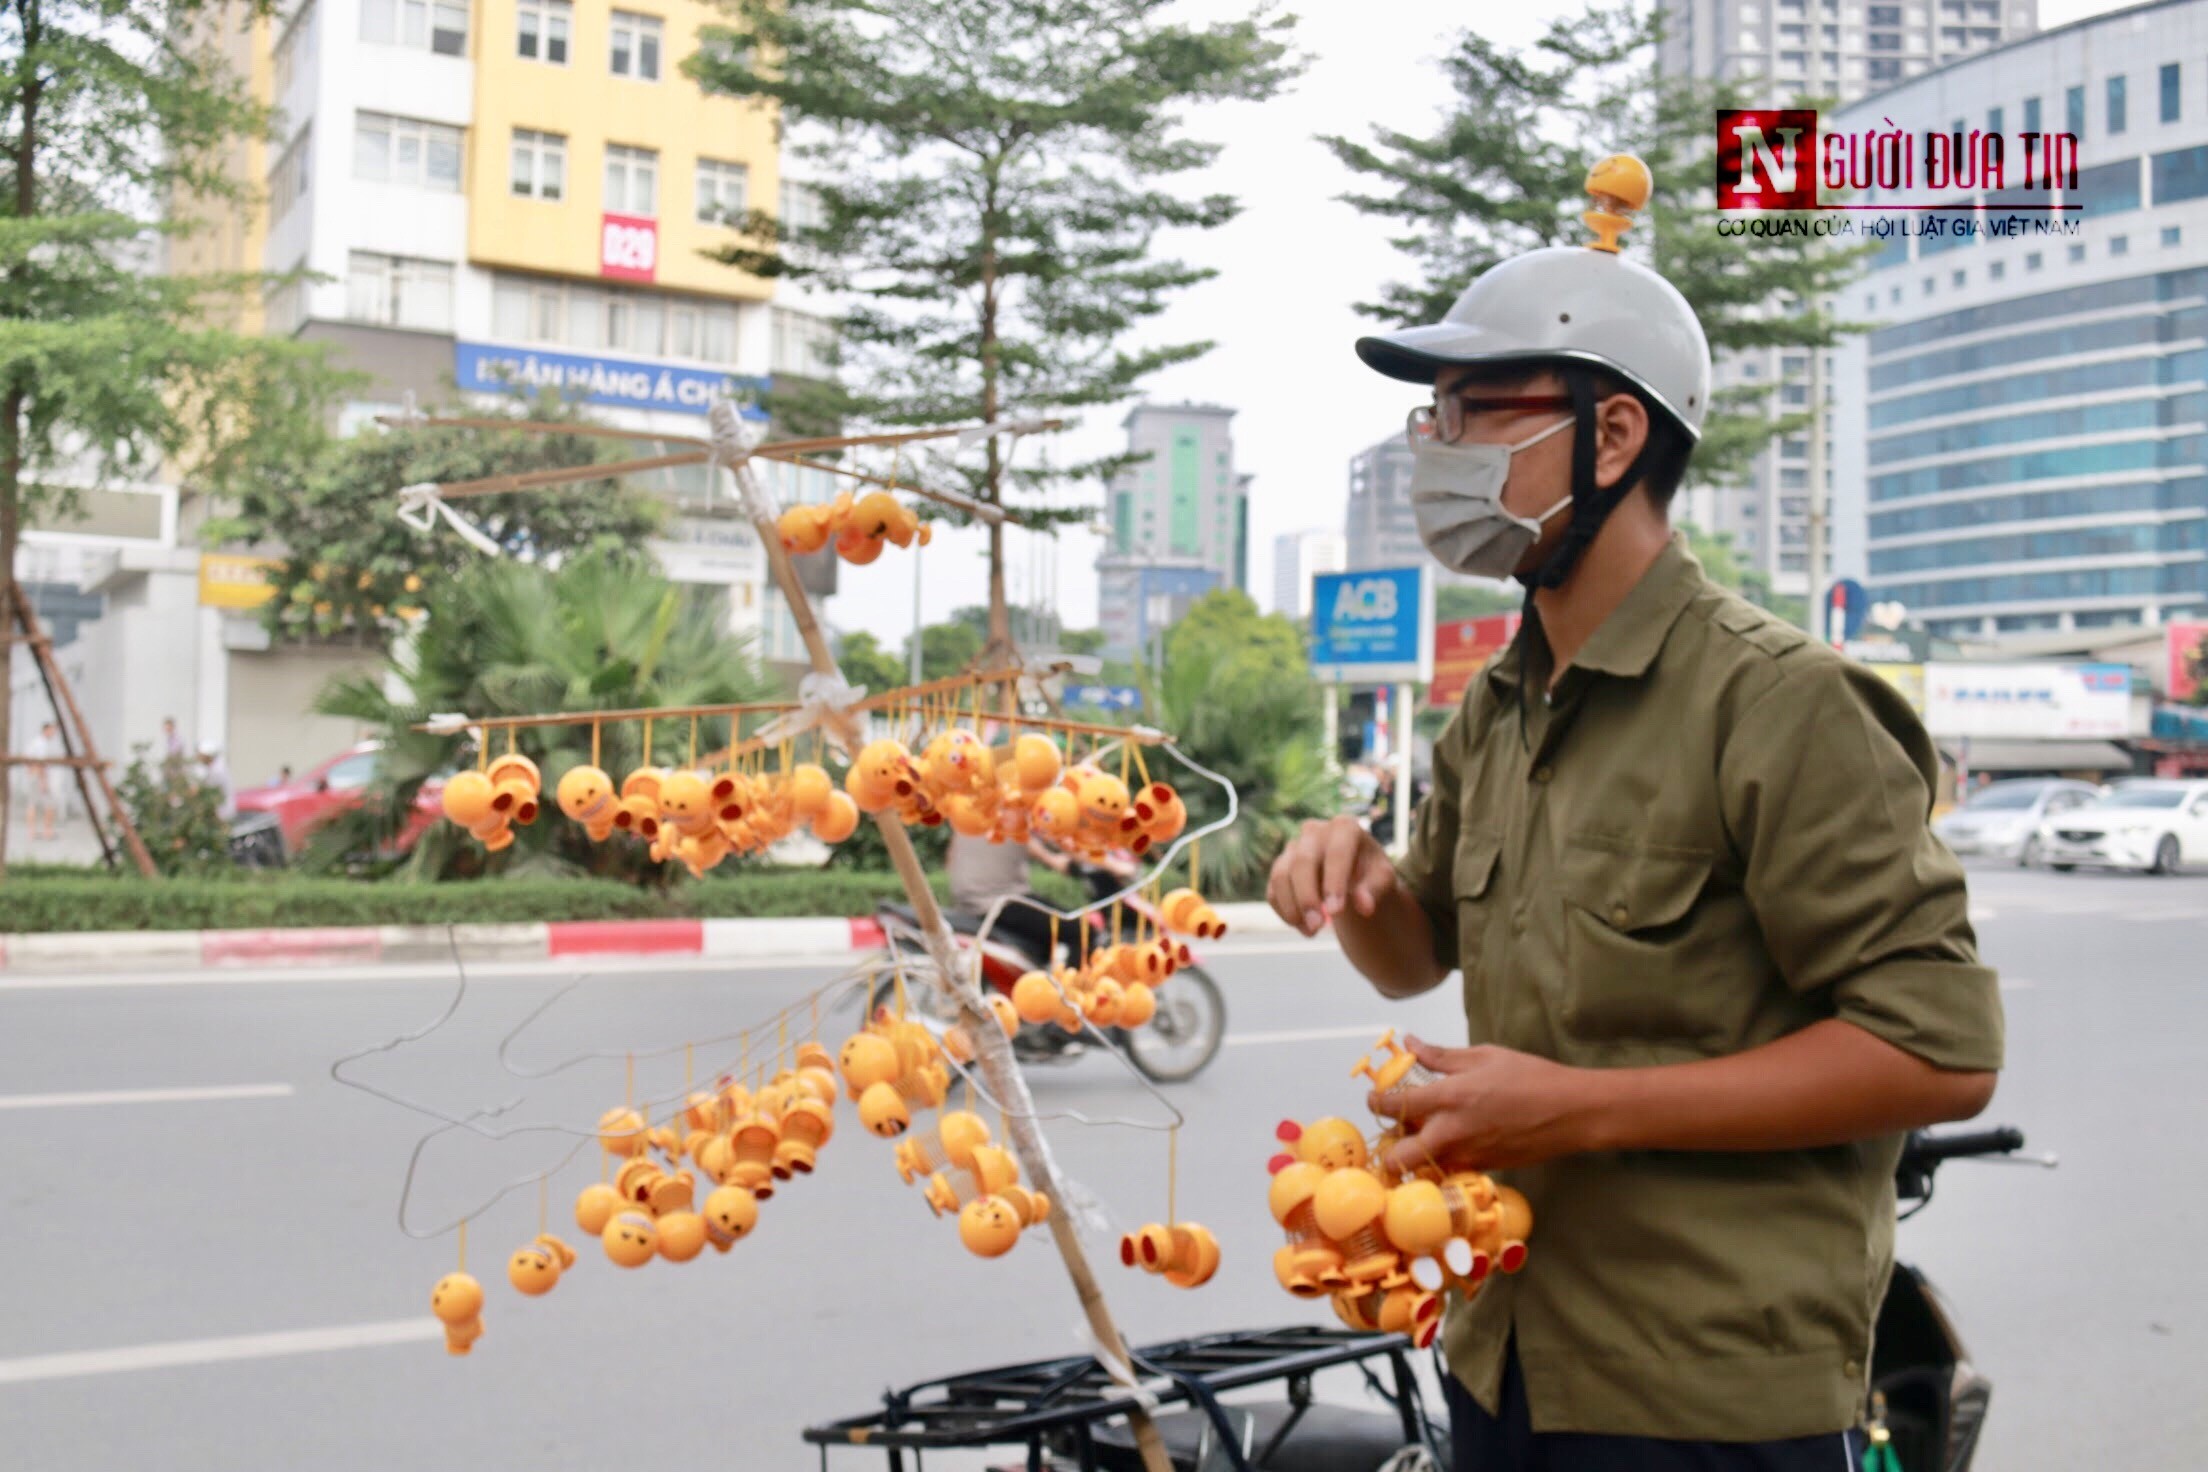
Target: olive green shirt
(1713, 833)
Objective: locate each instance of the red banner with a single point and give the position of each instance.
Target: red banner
(1462, 649)
(2188, 649)
(628, 247)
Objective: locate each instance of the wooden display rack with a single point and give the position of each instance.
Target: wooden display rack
(728, 447)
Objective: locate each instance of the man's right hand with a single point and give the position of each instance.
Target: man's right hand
(1329, 866)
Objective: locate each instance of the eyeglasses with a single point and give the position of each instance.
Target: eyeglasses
(1445, 417)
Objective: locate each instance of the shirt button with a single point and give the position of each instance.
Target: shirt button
(1541, 775)
(1618, 915)
(1518, 921)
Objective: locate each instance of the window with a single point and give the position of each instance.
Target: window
(543, 30)
(2170, 74)
(1927, 286)
(393, 150)
(803, 344)
(394, 291)
(636, 46)
(2077, 254)
(2031, 114)
(2034, 261)
(287, 182)
(2171, 235)
(295, 47)
(2073, 111)
(283, 308)
(2107, 189)
(1993, 120)
(1995, 270)
(431, 25)
(2115, 104)
(2119, 245)
(1795, 393)
(539, 165)
(613, 318)
(353, 772)
(1958, 279)
(632, 181)
(1895, 296)
(2182, 173)
(720, 192)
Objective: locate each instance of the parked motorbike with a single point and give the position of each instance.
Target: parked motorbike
(1176, 1043)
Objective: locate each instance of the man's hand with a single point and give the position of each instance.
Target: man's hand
(1329, 866)
(1492, 1108)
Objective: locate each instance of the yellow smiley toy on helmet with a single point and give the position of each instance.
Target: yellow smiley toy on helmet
(1577, 310)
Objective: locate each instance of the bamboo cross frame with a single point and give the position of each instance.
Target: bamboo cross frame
(993, 1050)
(792, 452)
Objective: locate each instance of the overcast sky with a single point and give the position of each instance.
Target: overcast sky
(1290, 266)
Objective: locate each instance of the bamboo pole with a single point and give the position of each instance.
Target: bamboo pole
(993, 1050)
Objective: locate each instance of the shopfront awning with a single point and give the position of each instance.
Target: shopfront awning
(2041, 756)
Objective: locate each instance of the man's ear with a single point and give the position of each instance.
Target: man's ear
(1621, 430)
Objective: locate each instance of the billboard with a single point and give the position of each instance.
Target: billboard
(628, 247)
(1372, 626)
(1462, 648)
(623, 383)
(2031, 701)
(232, 580)
(2186, 682)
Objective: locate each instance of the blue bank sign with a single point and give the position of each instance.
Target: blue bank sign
(1372, 627)
(622, 383)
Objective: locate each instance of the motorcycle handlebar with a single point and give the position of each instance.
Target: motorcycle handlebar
(1925, 1149)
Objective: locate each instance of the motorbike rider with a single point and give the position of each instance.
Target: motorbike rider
(1714, 961)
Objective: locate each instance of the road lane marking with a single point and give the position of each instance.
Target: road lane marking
(1306, 1035)
(179, 1352)
(146, 1096)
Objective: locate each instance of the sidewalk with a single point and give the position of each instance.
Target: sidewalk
(184, 950)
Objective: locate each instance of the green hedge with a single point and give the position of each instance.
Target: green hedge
(94, 901)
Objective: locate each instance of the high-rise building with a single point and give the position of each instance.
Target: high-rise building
(1297, 558)
(1379, 530)
(505, 195)
(1780, 50)
(2020, 445)
(1178, 521)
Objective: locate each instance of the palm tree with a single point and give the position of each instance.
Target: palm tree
(603, 631)
(1237, 691)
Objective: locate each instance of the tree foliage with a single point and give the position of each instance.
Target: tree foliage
(992, 176)
(1459, 600)
(1503, 174)
(350, 564)
(178, 816)
(603, 631)
(1237, 691)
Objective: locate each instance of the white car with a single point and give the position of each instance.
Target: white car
(2154, 826)
(2003, 819)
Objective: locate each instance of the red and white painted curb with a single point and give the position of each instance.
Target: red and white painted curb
(824, 937)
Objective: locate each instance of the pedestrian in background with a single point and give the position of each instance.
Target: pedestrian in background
(44, 814)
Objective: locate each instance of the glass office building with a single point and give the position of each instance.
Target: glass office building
(2020, 443)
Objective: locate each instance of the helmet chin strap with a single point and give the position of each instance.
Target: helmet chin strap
(1591, 505)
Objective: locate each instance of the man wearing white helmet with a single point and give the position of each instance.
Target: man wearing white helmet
(1714, 962)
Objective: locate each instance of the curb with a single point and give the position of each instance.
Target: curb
(187, 950)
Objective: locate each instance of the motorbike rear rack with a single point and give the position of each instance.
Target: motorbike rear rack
(1057, 1407)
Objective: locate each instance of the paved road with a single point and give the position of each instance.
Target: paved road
(214, 1279)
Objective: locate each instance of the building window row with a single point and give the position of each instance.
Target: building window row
(2042, 424)
(2037, 587)
(2059, 383)
(438, 26)
(2055, 342)
(396, 150)
(612, 318)
(537, 169)
(2100, 296)
(2095, 541)
(398, 291)
(287, 182)
(2076, 461)
(2018, 506)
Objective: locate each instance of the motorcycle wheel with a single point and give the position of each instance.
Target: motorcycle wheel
(1184, 1036)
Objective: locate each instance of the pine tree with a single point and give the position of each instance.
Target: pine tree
(991, 176)
(1503, 174)
(109, 367)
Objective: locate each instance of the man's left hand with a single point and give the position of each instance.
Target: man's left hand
(1491, 1108)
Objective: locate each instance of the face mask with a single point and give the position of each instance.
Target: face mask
(1457, 496)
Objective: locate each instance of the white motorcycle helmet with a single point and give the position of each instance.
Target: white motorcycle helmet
(1571, 304)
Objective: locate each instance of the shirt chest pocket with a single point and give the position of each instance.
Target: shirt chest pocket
(1640, 959)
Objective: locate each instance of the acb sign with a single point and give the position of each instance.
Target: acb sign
(1373, 626)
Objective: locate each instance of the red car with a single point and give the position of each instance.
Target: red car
(313, 797)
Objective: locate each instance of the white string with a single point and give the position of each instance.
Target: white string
(422, 503)
(817, 694)
(1116, 1368)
